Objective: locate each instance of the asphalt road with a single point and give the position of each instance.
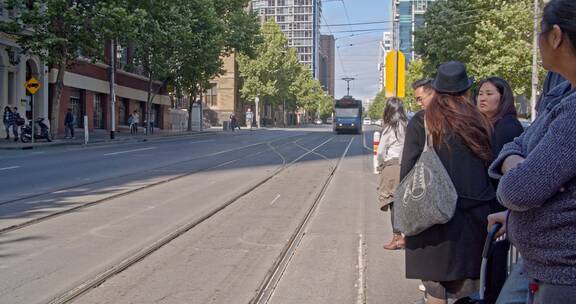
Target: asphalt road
(199, 220)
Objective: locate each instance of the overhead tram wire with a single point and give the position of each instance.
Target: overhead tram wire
(337, 49)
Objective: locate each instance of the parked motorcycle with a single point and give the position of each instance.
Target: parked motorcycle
(41, 129)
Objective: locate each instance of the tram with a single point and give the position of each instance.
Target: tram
(347, 115)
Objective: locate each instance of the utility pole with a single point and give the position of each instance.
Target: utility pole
(348, 79)
(533, 98)
(112, 88)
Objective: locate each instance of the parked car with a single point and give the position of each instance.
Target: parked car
(367, 121)
(318, 121)
(378, 122)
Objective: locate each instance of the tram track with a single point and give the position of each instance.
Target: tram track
(268, 144)
(144, 252)
(273, 277)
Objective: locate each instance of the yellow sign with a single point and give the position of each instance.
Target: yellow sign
(32, 85)
(395, 74)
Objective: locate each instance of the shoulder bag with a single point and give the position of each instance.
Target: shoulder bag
(426, 196)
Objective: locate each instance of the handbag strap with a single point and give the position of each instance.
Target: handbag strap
(428, 141)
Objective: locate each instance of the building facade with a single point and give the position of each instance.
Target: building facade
(15, 70)
(327, 74)
(385, 47)
(408, 16)
(299, 20)
(222, 99)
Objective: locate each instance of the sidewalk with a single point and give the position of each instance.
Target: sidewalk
(100, 137)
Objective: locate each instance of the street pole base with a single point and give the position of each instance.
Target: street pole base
(112, 135)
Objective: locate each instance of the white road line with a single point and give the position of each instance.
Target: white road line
(361, 284)
(9, 168)
(130, 151)
(276, 199)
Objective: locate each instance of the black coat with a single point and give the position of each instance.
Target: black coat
(505, 130)
(452, 251)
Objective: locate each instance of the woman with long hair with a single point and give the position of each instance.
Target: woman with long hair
(447, 257)
(537, 171)
(394, 123)
(495, 99)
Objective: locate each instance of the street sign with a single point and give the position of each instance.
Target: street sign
(395, 74)
(32, 85)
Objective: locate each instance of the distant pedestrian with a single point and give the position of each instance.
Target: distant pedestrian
(447, 257)
(234, 122)
(69, 124)
(9, 121)
(18, 122)
(394, 123)
(249, 118)
(134, 122)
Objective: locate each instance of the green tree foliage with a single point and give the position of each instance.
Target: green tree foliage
(492, 37)
(274, 74)
(415, 73)
(376, 109)
(502, 44)
(450, 25)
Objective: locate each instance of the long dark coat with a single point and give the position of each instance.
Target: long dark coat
(452, 251)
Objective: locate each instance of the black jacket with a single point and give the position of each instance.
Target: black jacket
(505, 130)
(452, 251)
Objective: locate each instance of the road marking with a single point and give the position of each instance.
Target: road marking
(200, 141)
(9, 168)
(276, 199)
(361, 297)
(130, 151)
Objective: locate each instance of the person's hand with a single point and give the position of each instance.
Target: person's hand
(511, 162)
(500, 217)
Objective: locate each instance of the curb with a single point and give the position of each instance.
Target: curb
(100, 142)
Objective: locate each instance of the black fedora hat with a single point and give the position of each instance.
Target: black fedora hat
(452, 78)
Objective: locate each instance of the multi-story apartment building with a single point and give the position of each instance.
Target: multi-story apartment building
(408, 16)
(299, 20)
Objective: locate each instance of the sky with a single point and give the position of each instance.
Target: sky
(356, 52)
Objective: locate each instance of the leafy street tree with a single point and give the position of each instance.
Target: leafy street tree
(415, 72)
(492, 37)
(274, 75)
(376, 109)
(502, 44)
(456, 17)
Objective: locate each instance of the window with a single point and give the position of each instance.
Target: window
(212, 95)
(77, 106)
(99, 111)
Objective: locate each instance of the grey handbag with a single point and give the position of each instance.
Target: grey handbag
(426, 196)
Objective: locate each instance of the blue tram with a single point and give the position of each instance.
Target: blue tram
(347, 115)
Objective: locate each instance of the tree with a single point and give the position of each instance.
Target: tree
(492, 37)
(415, 73)
(57, 31)
(502, 44)
(376, 109)
(263, 73)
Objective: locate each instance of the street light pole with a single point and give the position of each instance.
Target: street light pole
(112, 88)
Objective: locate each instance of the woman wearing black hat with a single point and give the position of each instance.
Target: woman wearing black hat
(447, 257)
